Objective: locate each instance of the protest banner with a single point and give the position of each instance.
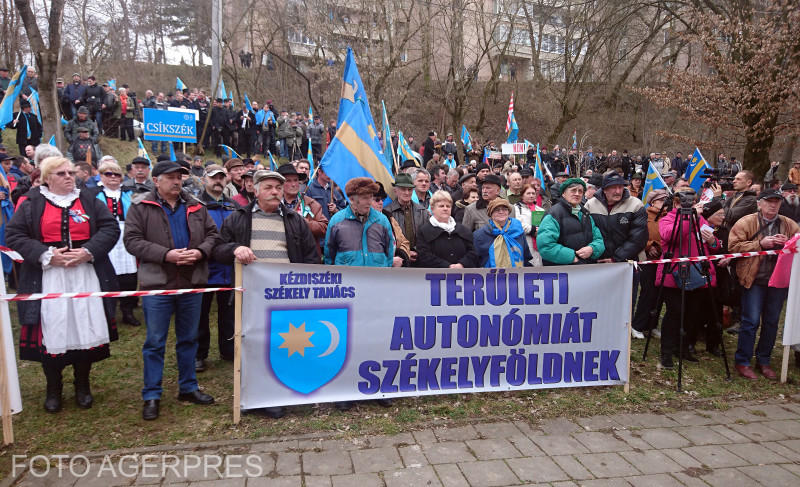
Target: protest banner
(10, 397)
(312, 334)
(170, 126)
(515, 148)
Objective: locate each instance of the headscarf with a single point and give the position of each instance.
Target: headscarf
(506, 251)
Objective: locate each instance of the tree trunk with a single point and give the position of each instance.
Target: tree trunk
(47, 61)
(756, 154)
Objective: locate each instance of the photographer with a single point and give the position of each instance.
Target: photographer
(681, 242)
(765, 230)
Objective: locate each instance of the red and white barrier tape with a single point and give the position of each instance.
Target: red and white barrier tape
(791, 250)
(114, 294)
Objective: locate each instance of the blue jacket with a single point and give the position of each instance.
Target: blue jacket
(323, 197)
(218, 273)
(349, 242)
(483, 238)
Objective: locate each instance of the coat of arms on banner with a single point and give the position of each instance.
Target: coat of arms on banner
(307, 347)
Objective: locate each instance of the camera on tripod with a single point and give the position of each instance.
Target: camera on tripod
(712, 175)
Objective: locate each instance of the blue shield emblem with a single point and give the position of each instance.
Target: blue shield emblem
(307, 347)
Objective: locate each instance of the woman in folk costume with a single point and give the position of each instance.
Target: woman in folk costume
(118, 201)
(501, 242)
(65, 236)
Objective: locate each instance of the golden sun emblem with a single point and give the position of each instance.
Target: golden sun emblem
(296, 339)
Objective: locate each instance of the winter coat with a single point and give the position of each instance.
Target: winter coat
(93, 97)
(624, 227)
(562, 232)
(23, 121)
(24, 234)
(317, 133)
(746, 237)
(71, 129)
(475, 215)
(738, 206)
(218, 273)
(484, 238)
(665, 227)
(238, 230)
(421, 216)
(350, 242)
(437, 248)
(148, 237)
(73, 92)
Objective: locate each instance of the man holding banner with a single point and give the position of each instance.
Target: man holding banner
(29, 130)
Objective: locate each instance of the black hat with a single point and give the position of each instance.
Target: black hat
(482, 166)
(638, 175)
(140, 160)
(408, 163)
(4, 157)
(613, 179)
(381, 194)
(561, 174)
(288, 170)
(789, 187)
(770, 194)
(184, 164)
(166, 167)
(466, 177)
(83, 129)
(162, 157)
(83, 110)
(4, 68)
(526, 173)
(492, 179)
(218, 100)
(711, 207)
(24, 104)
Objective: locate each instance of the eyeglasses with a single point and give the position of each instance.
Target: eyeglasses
(112, 175)
(65, 174)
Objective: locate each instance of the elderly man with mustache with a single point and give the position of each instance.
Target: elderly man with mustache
(171, 234)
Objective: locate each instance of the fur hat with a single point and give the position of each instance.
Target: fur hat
(362, 186)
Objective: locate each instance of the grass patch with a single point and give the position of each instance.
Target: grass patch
(115, 420)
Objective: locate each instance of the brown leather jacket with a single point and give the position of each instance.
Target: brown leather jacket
(746, 237)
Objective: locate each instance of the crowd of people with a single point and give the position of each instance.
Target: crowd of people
(87, 224)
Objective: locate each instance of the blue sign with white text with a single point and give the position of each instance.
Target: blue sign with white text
(171, 126)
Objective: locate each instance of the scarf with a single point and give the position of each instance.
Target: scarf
(123, 101)
(506, 251)
(447, 227)
(60, 200)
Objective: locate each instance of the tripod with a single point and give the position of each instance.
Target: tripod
(686, 215)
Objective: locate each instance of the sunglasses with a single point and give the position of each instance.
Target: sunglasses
(112, 175)
(64, 174)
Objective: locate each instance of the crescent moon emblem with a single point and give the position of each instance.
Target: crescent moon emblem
(334, 338)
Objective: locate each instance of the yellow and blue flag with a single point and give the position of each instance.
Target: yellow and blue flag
(64, 120)
(52, 141)
(35, 108)
(230, 152)
(352, 91)
(172, 156)
(112, 83)
(310, 157)
(273, 166)
(248, 105)
(652, 181)
(512, 133)
(466, 139)
(179, 84)
(388, 150)
(12, 93)
(230, 95)
(354, 153)
(143, 151)
(404, 151)
(310, 113)
(575, 139)
(694, 171)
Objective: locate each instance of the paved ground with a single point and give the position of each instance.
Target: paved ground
(754, 444)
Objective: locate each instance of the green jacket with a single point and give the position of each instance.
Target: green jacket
(548, 235)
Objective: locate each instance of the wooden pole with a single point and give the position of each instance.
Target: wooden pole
(785, 363)
(627, 387)
(184, 149)
(237, 346)
(8, 426)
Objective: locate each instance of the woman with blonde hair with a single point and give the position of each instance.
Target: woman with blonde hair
(64, 234)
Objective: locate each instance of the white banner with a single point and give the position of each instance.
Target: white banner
(791, 326)
(515, 148)
(314, 334)
(10, 366)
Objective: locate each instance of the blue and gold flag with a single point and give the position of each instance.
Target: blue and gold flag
(694, 171)
(466, 139)
(230, 152)
(12, 93)
(404, 151)
(179, 84)
(652, 181)
(354, 153)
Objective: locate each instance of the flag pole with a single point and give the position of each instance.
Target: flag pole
(8, 425)
(237, 345)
